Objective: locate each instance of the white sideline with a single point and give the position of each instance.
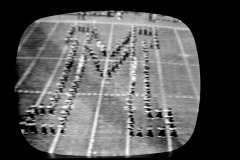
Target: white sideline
(56, 137)
(36, 58)
(92, 137)
(184, 55)
(26, 37)
(116, 23)
(163, 95)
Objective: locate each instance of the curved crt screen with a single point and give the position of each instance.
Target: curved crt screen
(107, 83)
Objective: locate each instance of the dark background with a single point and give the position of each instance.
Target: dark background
(215, 133)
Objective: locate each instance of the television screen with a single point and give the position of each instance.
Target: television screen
(107, 84)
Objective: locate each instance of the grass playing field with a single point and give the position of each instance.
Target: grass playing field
(98, 112)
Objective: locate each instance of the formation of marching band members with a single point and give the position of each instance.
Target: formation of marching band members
(89, 50)
(133, 66)
(121, 52)
(150, 114)
(147, 95)
(146, 31)
(28, 122)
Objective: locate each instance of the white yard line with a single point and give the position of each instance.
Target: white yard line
(29, 69)
(56, 137)
(171, 63)
(105, 94)
(27, 36)
(127, 147)
(115, 23)
(184, 55)
(92, 137)
(48, 58)
(163, 97)
(55, 140)
(111, 60)
(52, 76)
(87, 94)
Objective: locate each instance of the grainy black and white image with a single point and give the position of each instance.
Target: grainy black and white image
(107, 83)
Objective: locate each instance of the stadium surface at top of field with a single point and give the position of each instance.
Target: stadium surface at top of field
(128, 18)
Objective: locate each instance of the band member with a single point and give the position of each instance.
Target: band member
(150, 131)
(41, 109)
(139, 132)
(52, 129)
(161, 132)
(158, 114)
(149, 114)
(44, 128)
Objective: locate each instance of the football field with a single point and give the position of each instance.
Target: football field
(97, 124)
